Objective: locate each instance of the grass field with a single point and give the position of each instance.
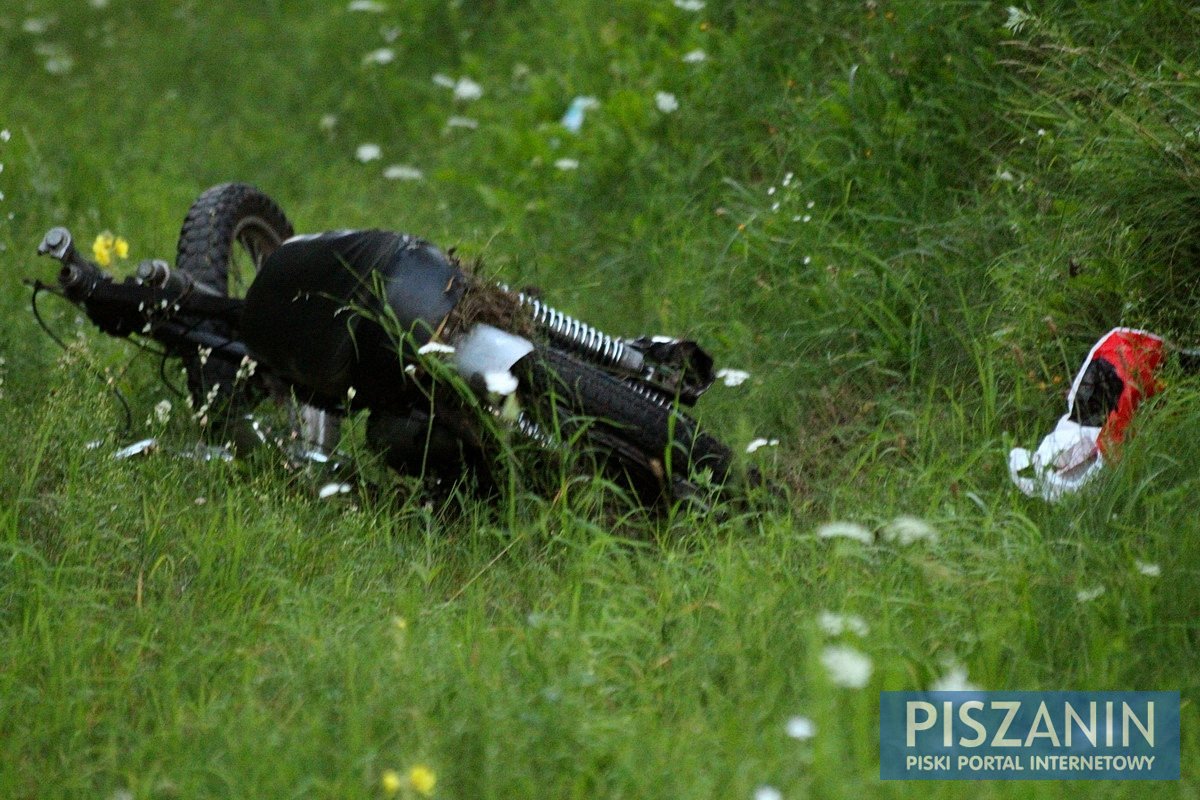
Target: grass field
(907, 221)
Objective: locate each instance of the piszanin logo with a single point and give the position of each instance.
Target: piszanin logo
(1029, 735)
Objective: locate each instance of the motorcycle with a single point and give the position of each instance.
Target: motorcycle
(451, 368)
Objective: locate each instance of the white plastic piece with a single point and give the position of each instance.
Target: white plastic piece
(572, 120)
(1066, 459)
(488, 351)
(136, 449)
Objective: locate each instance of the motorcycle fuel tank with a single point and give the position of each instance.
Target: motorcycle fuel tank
(337, 310)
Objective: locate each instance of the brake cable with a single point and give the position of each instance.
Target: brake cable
(38, 288)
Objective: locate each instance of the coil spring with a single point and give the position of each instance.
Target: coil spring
(531, 430)
(649, 393)
(578, 336)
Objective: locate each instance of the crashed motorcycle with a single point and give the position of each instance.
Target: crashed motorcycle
(451, 368)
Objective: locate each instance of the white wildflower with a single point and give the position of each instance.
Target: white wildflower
(504, 382)
(758, 444)
(331, 489)
(666, 102)
(98, 3)
(1005, 175)
(567, 163)
(445, 81)
(384, 55)
(368, 152)
(369, 6)
(58, 62)
(462, 122)
(162, 411)
(434, 347)
(467, 89)
(906, 530)
(694, 57)
(810, 203)
(689, 5)
(403, 172)
(844, 530)
(733, 377)
(764, 792)
(1148, 569)
(837, 624)
(328, 122)
(1088, 595)
(36, 25)
(801, 728)
(955, 680)
(846, 666)
(5, 135)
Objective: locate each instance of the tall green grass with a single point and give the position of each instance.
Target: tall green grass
(963, 208)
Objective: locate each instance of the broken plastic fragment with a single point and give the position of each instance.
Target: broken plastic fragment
(503, 383)
(136, 449)
(733, 377)
(572, 120)
(331, 489)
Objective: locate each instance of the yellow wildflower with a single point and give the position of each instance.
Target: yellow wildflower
(422, 779)
(107, 245)
(102, 249)
(390, 780)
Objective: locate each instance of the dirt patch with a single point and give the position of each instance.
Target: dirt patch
(485, 302)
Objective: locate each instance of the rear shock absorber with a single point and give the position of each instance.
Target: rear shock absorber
(578, 337)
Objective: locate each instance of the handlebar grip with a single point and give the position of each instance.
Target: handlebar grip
(78, 276)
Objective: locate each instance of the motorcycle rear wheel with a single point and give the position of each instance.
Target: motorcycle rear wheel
(661, 449)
